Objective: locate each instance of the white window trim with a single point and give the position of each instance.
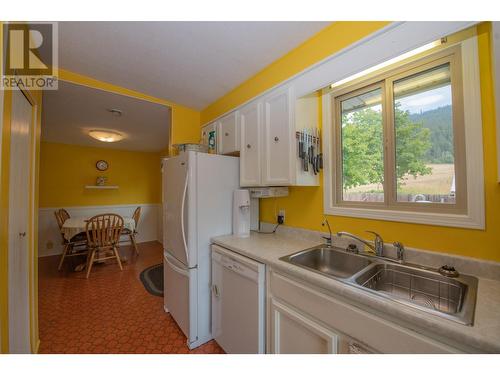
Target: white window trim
(474, 218)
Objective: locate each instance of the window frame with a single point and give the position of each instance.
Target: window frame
(468, 210)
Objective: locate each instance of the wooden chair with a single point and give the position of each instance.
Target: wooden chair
(76, 246)
(103, 234)
(64, 214)
(127, 232)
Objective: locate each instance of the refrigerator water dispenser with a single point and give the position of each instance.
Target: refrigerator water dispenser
(241, 213)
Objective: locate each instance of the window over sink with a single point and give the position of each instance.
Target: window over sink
(402, 143)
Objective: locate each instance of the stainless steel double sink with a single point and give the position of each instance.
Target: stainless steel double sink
(412, 285)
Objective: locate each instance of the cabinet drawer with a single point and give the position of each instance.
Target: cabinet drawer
(382, 335)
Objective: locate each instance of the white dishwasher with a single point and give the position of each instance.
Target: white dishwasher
(238, 298)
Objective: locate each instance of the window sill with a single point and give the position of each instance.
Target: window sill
(470, 221)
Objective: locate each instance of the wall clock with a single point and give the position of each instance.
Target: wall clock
(101, 165)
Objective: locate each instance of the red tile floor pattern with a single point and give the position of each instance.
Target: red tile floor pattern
(110, 312)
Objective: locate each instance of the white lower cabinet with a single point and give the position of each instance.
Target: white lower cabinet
(294, 333)
(304, 319)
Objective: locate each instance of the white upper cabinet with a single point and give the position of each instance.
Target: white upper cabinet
(251, 138)
(228, 134)
(263, 133)
(278, 138)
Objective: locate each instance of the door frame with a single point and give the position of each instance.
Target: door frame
(32, 221)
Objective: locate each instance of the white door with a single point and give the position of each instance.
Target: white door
(229, 136)
(19, 227)
(250, 150)
(278, 138)
(175, 206)
(295, 333)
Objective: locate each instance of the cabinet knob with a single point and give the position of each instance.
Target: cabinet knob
(248, 146)
(226, 134)
(276, 139)
(22, 234)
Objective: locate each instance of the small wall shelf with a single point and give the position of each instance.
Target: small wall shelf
(105, 187)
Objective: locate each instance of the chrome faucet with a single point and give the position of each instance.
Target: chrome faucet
(400, 251)
(328, 239)
(377, 247)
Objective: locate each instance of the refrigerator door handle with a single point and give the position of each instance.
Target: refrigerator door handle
(184, 195)
(176, 268)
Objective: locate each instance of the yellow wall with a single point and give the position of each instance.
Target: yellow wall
(66, 169)
(304, 206)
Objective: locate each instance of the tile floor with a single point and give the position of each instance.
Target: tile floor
(110, 312)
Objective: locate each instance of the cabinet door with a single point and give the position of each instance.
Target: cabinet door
(278, 138)
(294, 333)
(250, 150)
(229, 136)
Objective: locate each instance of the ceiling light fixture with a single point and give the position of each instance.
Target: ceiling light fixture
(106, 135)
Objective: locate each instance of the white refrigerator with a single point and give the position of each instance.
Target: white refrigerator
(197, 205)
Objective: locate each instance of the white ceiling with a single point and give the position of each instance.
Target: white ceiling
(190, 63)
(72, 110)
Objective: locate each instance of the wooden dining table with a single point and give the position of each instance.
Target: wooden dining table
(78, 224)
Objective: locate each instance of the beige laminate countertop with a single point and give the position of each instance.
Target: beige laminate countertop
(483, 336)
